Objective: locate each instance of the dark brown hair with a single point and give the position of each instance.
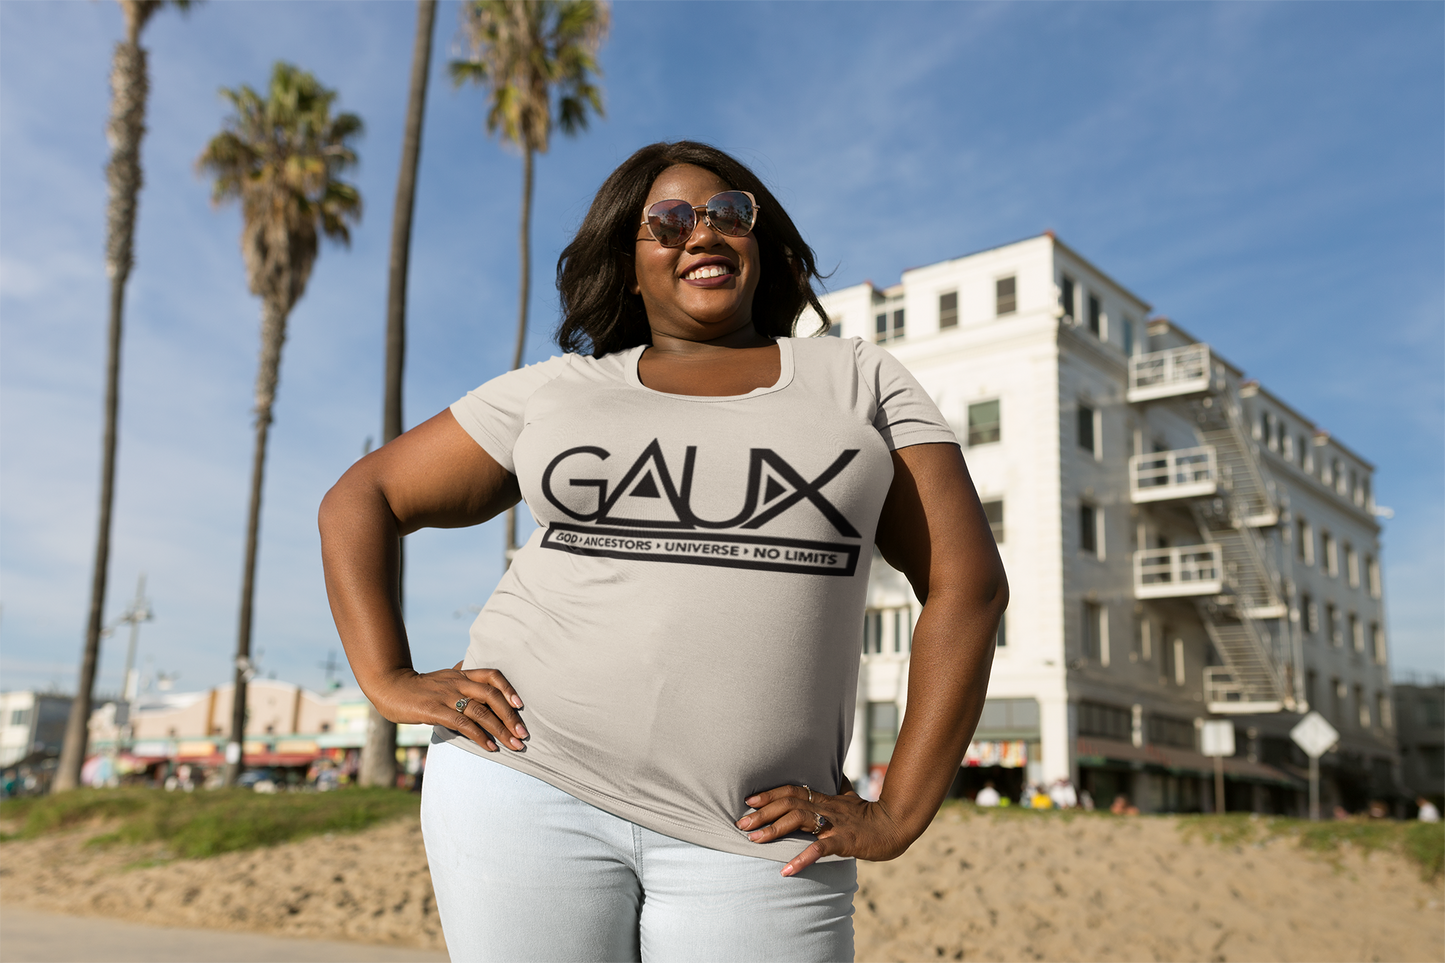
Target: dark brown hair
(601, 315)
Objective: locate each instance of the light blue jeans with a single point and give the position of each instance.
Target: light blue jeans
(523, 871)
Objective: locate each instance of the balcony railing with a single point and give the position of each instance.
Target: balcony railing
(1162, 573)
(1185, 473)
(1226, 696)
(1175, 371)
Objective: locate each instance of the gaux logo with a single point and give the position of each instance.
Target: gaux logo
(649, 497)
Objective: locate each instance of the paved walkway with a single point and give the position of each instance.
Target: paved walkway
(28, 936)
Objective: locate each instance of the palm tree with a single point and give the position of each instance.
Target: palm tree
(378, 758)
(280, 158)
(129, 90)
(526, 53)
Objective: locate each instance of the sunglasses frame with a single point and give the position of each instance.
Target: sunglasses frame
(699, 209)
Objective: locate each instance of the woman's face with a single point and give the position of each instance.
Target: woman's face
(682, 291)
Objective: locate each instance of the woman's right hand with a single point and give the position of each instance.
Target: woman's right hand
(488, 718)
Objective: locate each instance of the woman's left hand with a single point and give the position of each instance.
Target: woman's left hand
(853, 826)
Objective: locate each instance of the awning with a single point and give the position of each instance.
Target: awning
(1094, 751)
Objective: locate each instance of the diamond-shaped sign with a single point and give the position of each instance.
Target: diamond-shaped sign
(1314, 735)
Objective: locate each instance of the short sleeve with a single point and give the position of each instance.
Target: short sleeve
(906, 414)
(495, 413)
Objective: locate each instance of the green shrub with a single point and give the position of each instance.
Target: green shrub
(200, 824)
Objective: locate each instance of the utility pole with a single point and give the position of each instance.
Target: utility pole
(139, 611)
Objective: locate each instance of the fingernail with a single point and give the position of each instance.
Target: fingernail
(753, 800)
(755, 836)
(788, 870)
(491, 746)
(516, 743)
(743, 823)
(521, 730)
(516, 702)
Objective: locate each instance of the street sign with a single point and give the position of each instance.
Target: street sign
(1314, 735)
(1216, 738)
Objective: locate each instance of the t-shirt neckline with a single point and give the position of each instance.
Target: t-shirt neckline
(785, 376)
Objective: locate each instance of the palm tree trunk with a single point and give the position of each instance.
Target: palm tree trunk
(378, 758)
(273, 336)
(129, 88)
(526, 272)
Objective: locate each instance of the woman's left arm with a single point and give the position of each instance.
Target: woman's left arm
(934, 531)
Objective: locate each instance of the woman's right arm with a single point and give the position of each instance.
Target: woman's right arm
(434, 476)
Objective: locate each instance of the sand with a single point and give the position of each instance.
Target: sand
(975, 887)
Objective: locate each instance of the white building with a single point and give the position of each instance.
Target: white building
(32, 726)
(1180, 544)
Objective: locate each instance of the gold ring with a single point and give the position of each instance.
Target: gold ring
(810, 792)
(818, 822)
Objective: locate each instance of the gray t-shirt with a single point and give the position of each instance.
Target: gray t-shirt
(685, 624)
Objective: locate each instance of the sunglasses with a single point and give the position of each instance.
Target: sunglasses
(672, 222)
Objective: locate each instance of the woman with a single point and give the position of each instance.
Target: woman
(667, 672)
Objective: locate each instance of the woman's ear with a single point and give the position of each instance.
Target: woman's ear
(632, 284)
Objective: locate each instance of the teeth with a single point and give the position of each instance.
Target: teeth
(709, 271)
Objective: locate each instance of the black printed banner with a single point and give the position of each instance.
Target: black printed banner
(706, 548)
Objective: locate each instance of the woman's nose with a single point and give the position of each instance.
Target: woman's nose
(702, 236)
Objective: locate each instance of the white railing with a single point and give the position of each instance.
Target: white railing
(1161, 573)
(1185, 473)
(1225, 695)
(1174, 371)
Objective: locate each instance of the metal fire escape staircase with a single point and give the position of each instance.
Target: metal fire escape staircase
(1230, 495)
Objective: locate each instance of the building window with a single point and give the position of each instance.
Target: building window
(1332, 553)
(885, 331)
(1111, 722)
(993, 511)
(1377, 636)
(1096, 317)
(948, 310)
(1087, 439)
(1308, 616)
(1325, 475)
(1164, 731)
(1303, 454)
(1179, 662)
(1127, 330)
(1362, 708)
(1005, 296)
(1287, 447)
(1143, 641)
(1340, 487)
(983, 423)
(902, 630)
(1089, 529)
(1312, 679)
(1383, 712)
(1096, 633)
(1332, 622)
(1337, 700)
(882, 732)
(20, 717)
(1352, 565)
(1066, 297)
(1372, 571)
(1357, 632)
(1304, 542)
(872, 632)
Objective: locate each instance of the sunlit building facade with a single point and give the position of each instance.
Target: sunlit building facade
(1181, 545)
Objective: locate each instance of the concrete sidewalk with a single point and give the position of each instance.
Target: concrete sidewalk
(28, 936)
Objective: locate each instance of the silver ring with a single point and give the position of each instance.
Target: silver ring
(462, 704)
(818, 822)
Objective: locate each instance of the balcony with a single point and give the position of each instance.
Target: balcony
(1167, 573)
(1165, 475)
(1226, 695)
(1165, 374)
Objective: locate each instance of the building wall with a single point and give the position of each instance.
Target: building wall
(1042, 362)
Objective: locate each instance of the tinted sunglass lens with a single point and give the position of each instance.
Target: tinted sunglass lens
(730, 213)
(671, 222)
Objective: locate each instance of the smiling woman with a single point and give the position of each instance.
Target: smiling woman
(686, 622)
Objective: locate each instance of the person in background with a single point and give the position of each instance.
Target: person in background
(1428, 812)
(987, 796)
(1062, 795)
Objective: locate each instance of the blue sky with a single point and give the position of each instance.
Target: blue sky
(1268, 175)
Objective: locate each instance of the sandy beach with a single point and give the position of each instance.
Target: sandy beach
(1002, 886)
